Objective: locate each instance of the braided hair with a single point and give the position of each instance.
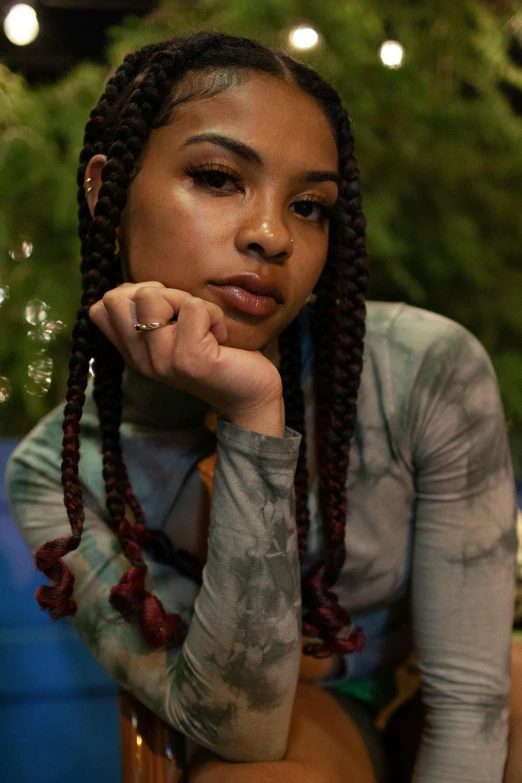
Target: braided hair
(140, 96)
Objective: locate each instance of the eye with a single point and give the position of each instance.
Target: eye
(322, 204)
(212, 175)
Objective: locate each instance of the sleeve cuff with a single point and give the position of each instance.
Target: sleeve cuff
(247, 441)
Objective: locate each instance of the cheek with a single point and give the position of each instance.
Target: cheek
(179, 235)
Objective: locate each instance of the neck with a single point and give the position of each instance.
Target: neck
(150, 403)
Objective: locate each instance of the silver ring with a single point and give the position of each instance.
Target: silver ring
(149, 327)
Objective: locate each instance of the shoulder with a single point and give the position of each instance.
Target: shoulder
(422, 366)
(419, 348)
(399, 328)
(39, 452)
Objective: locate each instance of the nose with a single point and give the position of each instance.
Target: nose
(265, 240)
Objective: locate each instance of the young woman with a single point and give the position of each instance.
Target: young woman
(252, 619)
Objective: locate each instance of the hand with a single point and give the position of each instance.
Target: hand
(188, 354)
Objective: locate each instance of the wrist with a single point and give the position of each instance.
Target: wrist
(267, 419)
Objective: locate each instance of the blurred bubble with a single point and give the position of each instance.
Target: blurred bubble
(38, 389)
(21, 251)
(53, 328)
(4, 294)
(38, 336)
(40, 372)
(40, 369)
(35, 311)
(5, 389)
(43, 333)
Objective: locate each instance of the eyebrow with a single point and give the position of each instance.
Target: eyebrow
(251, 156)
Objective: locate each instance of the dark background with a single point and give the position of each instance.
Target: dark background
(74, 30)
(70, 31)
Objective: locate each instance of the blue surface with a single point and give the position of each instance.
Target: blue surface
(58, 707)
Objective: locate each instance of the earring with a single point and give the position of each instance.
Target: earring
(310, 300)
(87, 182)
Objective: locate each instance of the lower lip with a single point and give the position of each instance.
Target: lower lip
(247, 302)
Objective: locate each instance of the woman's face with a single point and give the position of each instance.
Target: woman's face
(185, 230)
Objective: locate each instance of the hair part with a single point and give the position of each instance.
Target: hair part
(143, 95)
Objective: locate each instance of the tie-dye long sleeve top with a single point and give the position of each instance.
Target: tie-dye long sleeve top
(430, 539)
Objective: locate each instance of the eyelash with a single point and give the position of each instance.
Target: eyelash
(198, 173)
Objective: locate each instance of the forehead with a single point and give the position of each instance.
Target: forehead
(279, 120)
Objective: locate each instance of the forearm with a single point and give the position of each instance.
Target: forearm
(240, 662)
(463, 614)
(231, 685)
(462, 747)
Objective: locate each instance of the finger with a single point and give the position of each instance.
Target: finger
(121, 308)
(115, 316)
(150, 309)
(198, 319)
(195, 318)
(153, 305)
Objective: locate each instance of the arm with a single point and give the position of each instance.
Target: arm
(231, 686)
(463, 565)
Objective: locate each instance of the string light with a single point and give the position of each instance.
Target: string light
(391, 54)
(21, 24)
(303, 37)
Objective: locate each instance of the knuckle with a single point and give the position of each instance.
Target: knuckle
(145, 290)
(110, 296)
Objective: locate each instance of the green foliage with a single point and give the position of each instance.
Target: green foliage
(439, 145)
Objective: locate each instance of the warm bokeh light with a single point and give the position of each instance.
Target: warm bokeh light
(391, 54)
(21, 24)
(303, 37)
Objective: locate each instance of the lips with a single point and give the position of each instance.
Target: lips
(243, 300)
(260, 286)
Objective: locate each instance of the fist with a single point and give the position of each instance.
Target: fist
(189, 352)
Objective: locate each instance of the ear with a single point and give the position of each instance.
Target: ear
(92, 182)
(94, 170)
